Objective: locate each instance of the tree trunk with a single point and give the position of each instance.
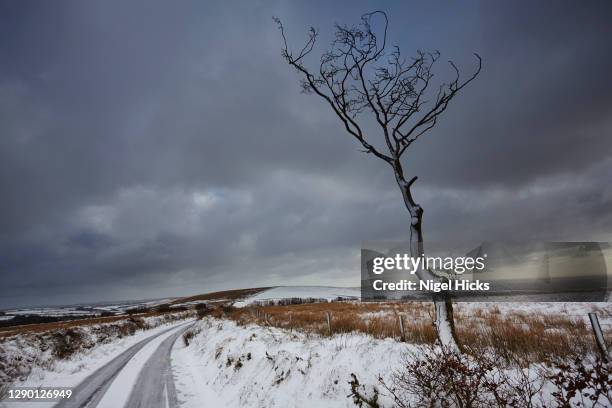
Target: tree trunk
(444, 321)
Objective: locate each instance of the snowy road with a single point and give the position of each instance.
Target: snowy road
(138, 377)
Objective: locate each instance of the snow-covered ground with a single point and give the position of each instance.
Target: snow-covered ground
(258, 366)
(304, 292)
(253, 366)
(48, 371)
(560, 308)
(226, 364)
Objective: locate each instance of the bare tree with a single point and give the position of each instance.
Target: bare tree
(361, 75)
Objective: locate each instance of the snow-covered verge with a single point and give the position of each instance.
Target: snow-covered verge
(64, 357)
(225, 364)
(253, 366)
(301, 292)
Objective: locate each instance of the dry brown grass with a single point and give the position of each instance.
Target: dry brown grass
(379, 320)
(534, 337)
(222, 295)
(543, 337)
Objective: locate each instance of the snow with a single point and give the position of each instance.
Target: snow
(304, 292)
(570, 310)
(563, 308)
(256, 366)
(51, 311)
(86, 309)
(50, 372)
(253, 366)
(443, 326)
(120, 389)
(262, 366)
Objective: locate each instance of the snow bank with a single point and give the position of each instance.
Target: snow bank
(253, 366)
(258, 366)
(303, 292)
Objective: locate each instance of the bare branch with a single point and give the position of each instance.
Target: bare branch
(359, 75)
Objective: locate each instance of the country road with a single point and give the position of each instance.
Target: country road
(139, 377)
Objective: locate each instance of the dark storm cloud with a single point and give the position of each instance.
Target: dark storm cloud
(155, 149)
(542, 103)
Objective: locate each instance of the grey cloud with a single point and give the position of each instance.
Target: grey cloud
(155, 149)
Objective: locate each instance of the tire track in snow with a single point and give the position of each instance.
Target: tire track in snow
(90, 392)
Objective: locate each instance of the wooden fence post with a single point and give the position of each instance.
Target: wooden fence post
(402, 327)
(329, 327)
(601, 343)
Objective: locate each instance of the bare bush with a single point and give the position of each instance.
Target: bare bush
(359, 394)
(68, 342)
(188, 335)
(439, 377)
(201, 310)
(582, 385)
(227, 309)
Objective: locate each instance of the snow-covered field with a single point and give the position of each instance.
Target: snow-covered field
(303, 292)
(82, 309)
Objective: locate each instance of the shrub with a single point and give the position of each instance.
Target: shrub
(359, 394)
(165, 308)
(201, 310)
(440, 377)
(227, 309)
(139, 322)
(187, 336)
(127, 329)
(579, 384)
(67, 342)
(137, 310)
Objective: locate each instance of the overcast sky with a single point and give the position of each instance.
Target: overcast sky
(162, 149)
